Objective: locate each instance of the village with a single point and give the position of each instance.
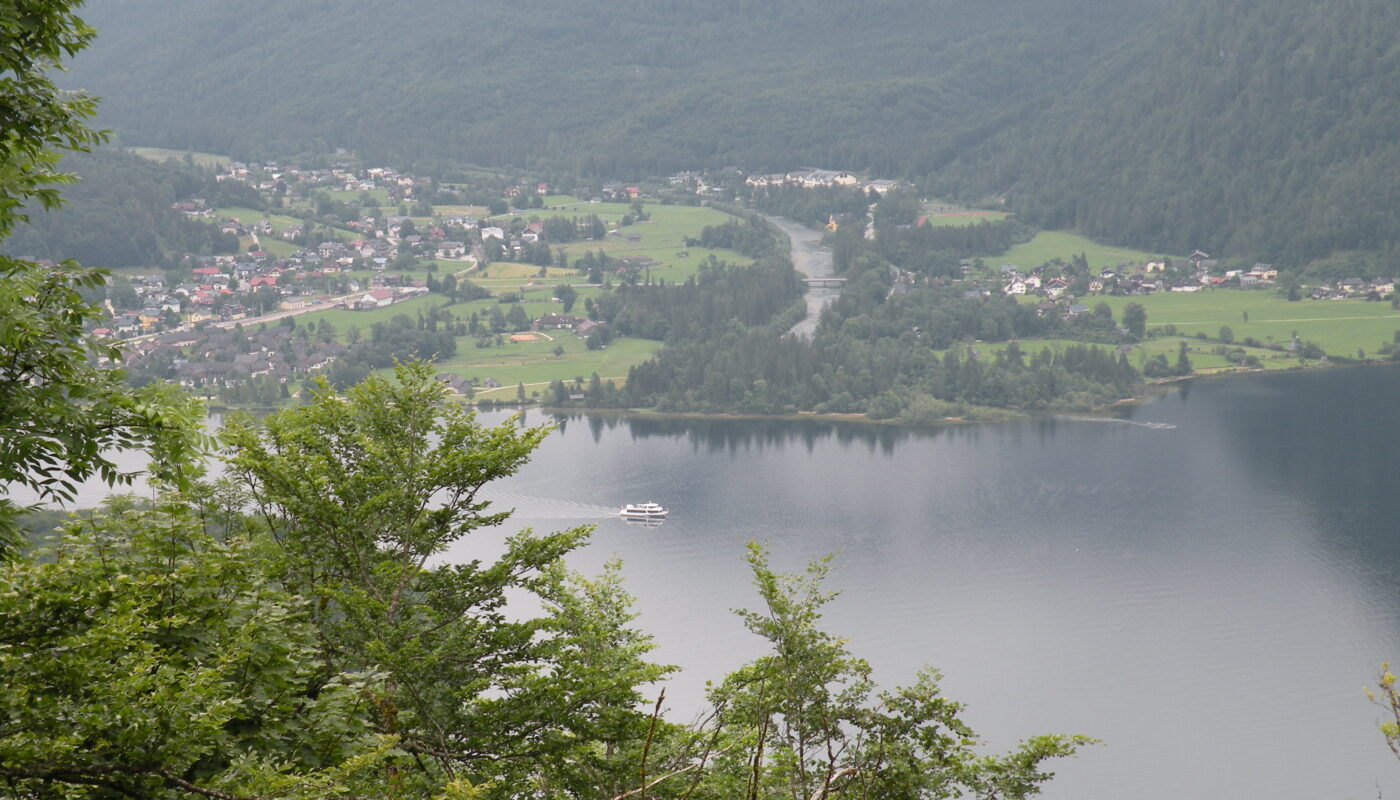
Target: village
(231, 323)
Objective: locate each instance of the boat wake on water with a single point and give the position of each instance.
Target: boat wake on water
(1156, 426)
(548, 507)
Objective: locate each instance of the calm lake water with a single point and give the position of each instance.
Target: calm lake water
(1208, 599)
(1205, 584)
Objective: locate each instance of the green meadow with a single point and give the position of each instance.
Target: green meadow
(381, 196)
(535, 364)
(1203, 358)
(662, 237)
(164, 154)
(1048, 245)
(1340, 327)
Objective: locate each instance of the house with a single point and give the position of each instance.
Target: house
(554, 322)
(451, 249)
(1015, 288)
(764, 181)
(490, 383)
(880, 186)
(817, 178)
(1096, 285)
(178, 339)
(375, 298)
(493, 233)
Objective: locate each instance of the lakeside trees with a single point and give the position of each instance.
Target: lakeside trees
(292, 631)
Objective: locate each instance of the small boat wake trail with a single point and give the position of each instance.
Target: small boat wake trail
(548, 507)
(1156, 426)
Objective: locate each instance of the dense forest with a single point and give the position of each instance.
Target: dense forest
(118, 213)
(1252, 130)
(916, 353)
(624, 87)
(1263, 130)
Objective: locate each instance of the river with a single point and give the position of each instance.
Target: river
(1205, 584)
(814, 260)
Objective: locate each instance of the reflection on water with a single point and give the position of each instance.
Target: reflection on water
(1163, 579)
(1204, 581)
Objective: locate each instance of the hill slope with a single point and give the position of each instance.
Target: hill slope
(1265, 129)
(616, 87)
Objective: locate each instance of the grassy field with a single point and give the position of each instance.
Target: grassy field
(381, 196)
(963, 218)
(662, 239)
(1340, 327)
(465, 211)
(163, 154)
(1203, 360)
(1064, 245)
(251, 216)
(344, 319)
(535, 364)
(536, 301)
(278, 247)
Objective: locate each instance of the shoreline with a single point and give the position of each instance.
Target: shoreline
(1159, 387)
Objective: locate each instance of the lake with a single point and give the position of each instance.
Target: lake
(1205, 584)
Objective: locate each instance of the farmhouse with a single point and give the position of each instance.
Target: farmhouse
(556, 322)
(378, 298)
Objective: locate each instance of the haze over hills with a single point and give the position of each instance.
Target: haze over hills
(1268, 130)
(1252, 129)
(613, 88)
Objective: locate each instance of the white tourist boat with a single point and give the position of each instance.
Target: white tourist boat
(642, 511)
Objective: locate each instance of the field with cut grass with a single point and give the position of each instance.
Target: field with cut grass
(1340, 327)
(662, 237)
(535, 364)
(1064, 245)
(164, 154)
(381, 196)
(344, 319)
(251, 216)
(1203, 358)
(461, 211)
(277, 247)
(945, 213)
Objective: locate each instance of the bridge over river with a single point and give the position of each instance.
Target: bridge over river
(812, 259)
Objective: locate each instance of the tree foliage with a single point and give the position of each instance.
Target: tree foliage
(360, 493)
(600, 88)
(61, 411)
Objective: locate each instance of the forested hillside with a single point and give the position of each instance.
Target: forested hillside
(1251, 129)
(118, 214)
(611, 88)
(1263, 129)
